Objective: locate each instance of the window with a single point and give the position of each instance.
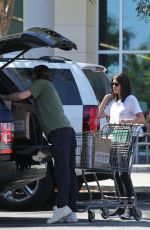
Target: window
(111, 62)
(21, 77)
(16, 24)
(124, 43)
(99, 82)
(137, 67)
(66, 87)
(62, 78)
(108, 25)
(134, 30)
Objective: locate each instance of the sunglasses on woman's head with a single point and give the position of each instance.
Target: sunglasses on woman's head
(115, 83)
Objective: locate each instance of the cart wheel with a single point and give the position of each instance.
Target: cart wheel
(105, 213)
(137, 214)
(91, 215)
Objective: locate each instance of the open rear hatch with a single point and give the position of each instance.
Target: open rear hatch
(35, 37)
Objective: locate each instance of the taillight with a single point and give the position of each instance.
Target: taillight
(90, 121)
(6, 137)
(7, 132)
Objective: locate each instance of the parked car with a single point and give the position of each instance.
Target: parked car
(81, 87)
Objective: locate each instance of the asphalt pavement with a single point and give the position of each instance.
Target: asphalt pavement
(37, 221)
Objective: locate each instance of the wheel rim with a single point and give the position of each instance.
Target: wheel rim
(21, 194)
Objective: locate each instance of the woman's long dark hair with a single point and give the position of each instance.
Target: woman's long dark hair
(125, 83)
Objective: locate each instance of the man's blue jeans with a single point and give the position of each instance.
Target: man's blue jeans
(63, 142)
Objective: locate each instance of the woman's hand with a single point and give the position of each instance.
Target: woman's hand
(139, 119)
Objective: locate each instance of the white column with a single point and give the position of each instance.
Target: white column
(39, 13)
(76, 20)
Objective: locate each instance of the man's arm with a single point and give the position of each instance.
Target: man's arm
(17, 96)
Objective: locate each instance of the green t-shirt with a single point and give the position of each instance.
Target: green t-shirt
(49, 108)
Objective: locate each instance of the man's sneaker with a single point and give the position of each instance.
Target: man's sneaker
(127, 214)
(59, 214)
(72, 218)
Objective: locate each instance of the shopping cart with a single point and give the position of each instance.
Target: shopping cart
(107, 151)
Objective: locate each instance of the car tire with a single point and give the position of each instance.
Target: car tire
(41, 190)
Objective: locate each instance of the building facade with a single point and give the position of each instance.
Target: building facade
(107, 32)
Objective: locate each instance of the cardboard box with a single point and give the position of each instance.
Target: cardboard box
(21, 113)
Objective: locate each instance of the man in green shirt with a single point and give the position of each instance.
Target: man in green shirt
(61, 135)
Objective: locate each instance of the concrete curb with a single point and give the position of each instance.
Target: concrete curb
(141, 168)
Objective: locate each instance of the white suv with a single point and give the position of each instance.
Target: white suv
(81, 87)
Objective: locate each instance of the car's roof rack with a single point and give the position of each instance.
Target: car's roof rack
(54, 59)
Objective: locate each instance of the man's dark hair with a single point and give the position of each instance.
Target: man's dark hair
(42, 72)
(126, 88)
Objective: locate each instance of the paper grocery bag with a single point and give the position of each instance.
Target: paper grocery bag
(102, 153)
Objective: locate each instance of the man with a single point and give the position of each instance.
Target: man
(61, 135)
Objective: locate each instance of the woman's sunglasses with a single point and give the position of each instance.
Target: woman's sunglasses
(115, 83)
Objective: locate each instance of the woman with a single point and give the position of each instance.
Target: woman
(122, 107)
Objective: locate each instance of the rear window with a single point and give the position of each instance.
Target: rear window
(21, 77)
(99, 82)
(62, 78)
